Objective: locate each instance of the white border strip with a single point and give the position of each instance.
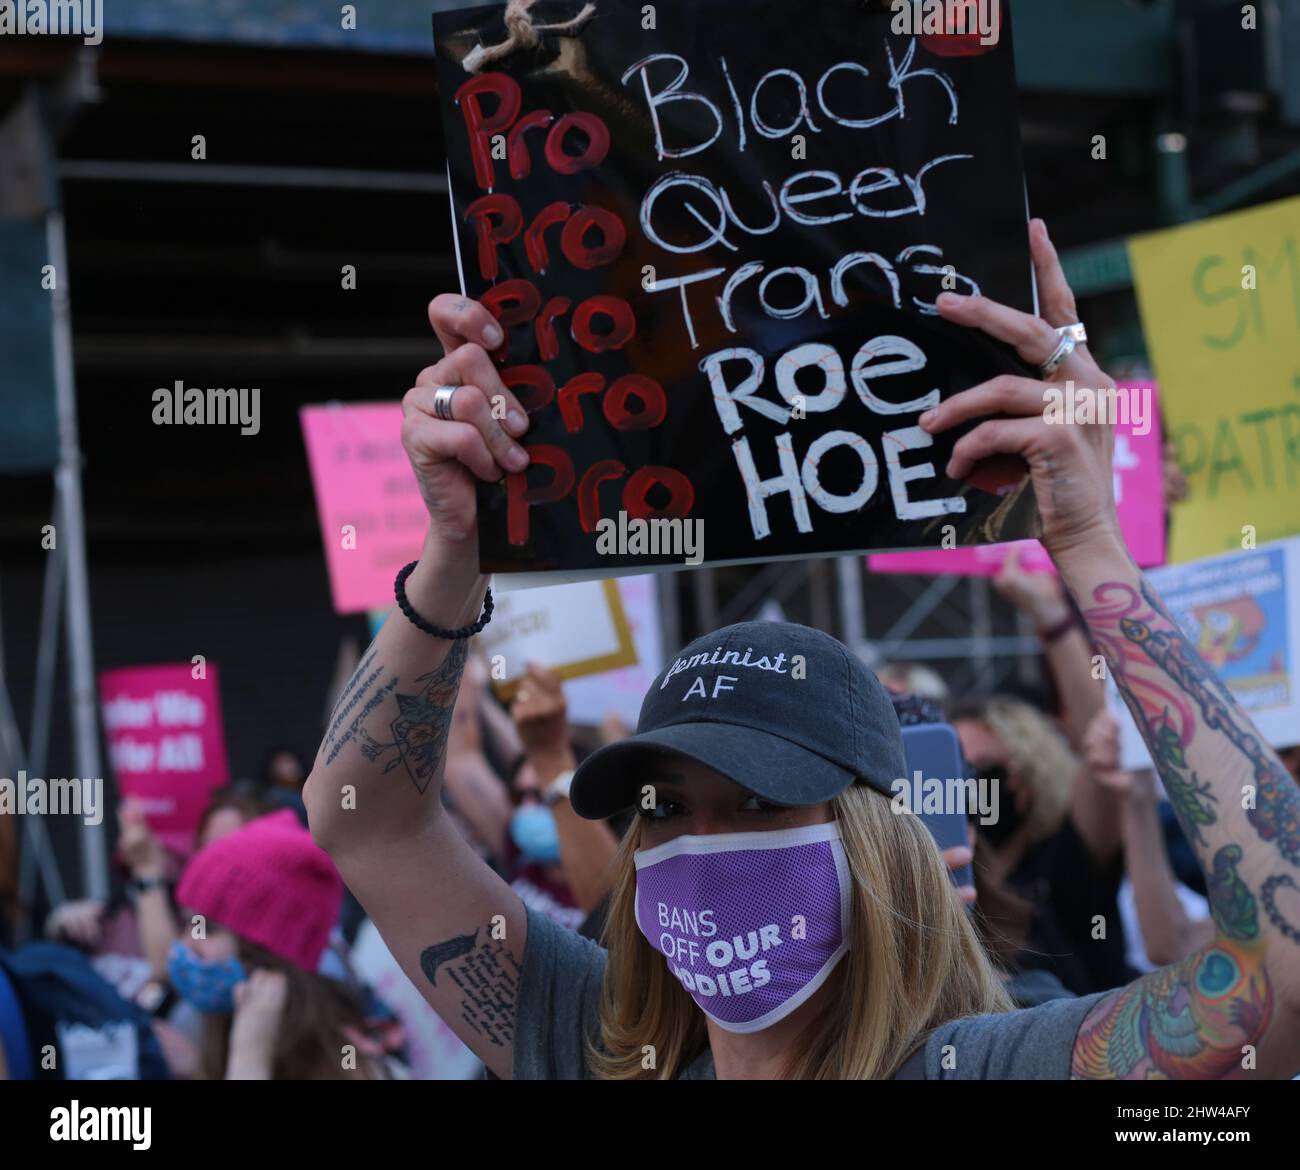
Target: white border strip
(727, 842)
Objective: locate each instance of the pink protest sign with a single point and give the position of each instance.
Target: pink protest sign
(167, 743)
(1139, 496)
(371, 516)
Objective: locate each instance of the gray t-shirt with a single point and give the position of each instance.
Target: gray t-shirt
(559, 998)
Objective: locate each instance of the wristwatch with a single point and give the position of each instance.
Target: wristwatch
(558, 789)
(139, 885)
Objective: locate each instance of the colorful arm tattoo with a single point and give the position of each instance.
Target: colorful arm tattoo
(1196, 1018)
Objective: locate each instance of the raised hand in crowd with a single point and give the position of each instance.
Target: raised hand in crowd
(540, 714)
(143, 853)
(476, 794)
(260, 1002)
(587, 848)
(151, 872)
(1043, 600)
(1169, 933)
(422, 884)
(79, 922)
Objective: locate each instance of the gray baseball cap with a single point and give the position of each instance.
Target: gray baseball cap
(783, 710)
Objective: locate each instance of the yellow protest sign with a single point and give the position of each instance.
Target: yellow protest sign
(1220, 305)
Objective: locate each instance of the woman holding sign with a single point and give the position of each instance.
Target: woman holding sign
(771, 916)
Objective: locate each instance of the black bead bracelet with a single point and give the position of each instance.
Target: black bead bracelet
(437, 631)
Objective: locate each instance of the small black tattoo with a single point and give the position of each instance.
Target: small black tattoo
(488, 978)
(431, 958)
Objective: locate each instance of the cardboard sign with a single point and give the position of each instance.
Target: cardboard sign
(166, 742)
(371, 515)
(1220, 305)
(571, 629)
(715, 234)
(620, 692)
(1139, 499)
(1242, 612)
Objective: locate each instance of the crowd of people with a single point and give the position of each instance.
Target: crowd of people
(237, 961)
(497, 916)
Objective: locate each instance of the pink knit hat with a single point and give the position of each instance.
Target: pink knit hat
(269, 883)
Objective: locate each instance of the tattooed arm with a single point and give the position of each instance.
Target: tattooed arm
(1169, 933)
(1232, 1007)
(373, 797)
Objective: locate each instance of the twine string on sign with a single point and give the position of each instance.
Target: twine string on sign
(524, 34)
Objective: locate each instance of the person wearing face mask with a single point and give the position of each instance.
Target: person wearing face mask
(266, 897)
(1044, 872)
(535, 868)
(771, 915)
(562, 862)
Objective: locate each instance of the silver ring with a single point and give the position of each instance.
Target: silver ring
(1065, 347)
(442, 397)
(1077, 331)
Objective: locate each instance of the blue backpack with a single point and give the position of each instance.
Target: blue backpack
(51, 995)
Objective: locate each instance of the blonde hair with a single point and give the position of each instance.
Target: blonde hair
(1037, 752)
(914, 678)
(914, 962)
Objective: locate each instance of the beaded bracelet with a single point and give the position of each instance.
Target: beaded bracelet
(437, 631)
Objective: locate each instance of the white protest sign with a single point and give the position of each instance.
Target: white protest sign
(574, 630)
(619, 692)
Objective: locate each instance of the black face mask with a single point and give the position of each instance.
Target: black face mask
(1010, 818)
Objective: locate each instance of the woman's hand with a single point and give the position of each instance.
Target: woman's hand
(541, 715)
(80, 923)
(259, 1009)
(447, 456)
(957, 857)
(1038, 595)
(1101, 754)
(142, 851)
(1069, 463)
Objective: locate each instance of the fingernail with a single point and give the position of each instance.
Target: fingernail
(517, 422)
(927, 419)
(492, 336)
(516, 459)
(949, 299)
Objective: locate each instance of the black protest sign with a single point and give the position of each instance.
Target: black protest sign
(714, 233)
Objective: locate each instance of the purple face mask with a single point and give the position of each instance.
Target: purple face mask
(750, 923)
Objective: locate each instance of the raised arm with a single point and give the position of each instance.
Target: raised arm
(587, 848)
(1232, 1008)
(1238, 994)
(373, 797)
(1043, 600)
(1169, 933)
(1040, 597)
